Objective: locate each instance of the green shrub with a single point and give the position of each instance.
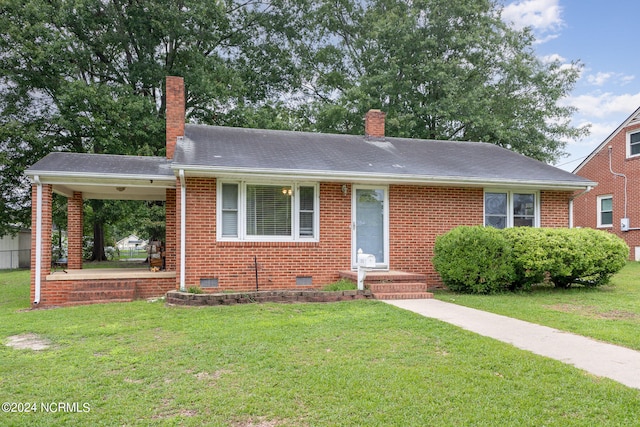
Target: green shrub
(474, 260)
(486, 260)
(601, 255)
(565, 256)
(532, 259)
(195, 290)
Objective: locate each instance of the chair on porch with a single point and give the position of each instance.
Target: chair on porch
(156, 255)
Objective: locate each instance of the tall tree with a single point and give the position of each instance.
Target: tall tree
(441, 69)
(87, 76)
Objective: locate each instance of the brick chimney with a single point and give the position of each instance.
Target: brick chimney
(374, 124)
(175, 105)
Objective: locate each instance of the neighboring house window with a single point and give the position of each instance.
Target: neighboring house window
(605, 211)
(267, 212)
(504, 209)
(633, 144)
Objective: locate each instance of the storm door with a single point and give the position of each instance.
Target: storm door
(370, 224)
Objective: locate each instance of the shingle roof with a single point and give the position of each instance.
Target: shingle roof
(226, 149)
(103, 165)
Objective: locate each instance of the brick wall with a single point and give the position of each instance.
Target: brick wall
(418, 214)
(47, 194)
(74, 231)
(554, 208)
(374, 124)
(65, 292)
(170, 233)
(597, 169)
(232, 263)
(175, 102)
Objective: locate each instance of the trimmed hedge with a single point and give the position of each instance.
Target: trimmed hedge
(472, 259)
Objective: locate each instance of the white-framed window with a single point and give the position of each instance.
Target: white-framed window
(267, 211)
(633, 143)
(505, 208)
(605, 211)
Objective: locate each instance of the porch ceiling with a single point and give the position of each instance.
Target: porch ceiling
(113, 189)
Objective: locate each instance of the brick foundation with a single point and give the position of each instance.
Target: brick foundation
(77, 292)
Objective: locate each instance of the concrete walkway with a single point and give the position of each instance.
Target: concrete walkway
(605, 360)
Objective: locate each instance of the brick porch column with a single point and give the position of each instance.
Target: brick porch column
(74, 231)
(46, 229)
(170, 234)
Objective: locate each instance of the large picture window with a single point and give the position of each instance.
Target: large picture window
(504, 209)
(257, 212)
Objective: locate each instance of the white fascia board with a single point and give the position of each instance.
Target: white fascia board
(130, 180)
(310, 175)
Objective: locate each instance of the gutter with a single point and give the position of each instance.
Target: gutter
(38, 273)
(100, 179)
(372, 177)
(183, 228)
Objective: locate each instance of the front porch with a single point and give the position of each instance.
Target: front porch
(90, 286)
(392, 285)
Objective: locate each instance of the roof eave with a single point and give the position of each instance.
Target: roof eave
(627, 122)
(364, 177)
(53, 177)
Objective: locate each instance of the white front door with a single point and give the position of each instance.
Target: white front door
(370, 224)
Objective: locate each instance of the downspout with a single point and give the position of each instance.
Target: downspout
(183, 228)
(36, 179)
(589, 188)
(625, 182)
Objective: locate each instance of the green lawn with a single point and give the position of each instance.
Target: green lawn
(610, 313)
(361, 363)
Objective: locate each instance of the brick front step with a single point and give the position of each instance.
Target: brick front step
(102, 295)
(384, 277)
(402, 295)
(397, 287)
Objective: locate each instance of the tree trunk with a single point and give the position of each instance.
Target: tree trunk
(98, 242)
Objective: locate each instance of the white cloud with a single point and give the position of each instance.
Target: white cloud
(599, 78)
(626, 79)
(598, 132)
(602, 105)
(541, 15)
(548, 59)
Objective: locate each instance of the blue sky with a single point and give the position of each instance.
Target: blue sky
(601, 35)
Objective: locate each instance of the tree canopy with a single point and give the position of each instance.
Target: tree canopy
(88, 75)
(442, 69)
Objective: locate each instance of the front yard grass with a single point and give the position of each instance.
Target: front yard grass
(342, 364)
(609, 313)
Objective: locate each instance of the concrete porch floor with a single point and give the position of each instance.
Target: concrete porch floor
(110, 273)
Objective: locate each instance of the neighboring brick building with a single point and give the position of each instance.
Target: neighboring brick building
(614, 203)
(251, 208)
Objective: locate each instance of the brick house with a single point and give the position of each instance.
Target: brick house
(249, 208)
(613, 204)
